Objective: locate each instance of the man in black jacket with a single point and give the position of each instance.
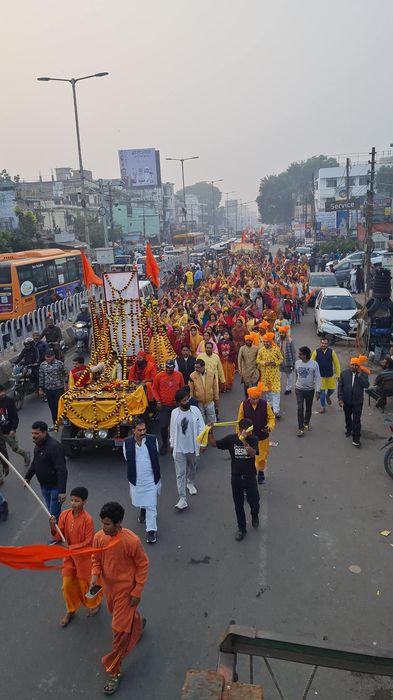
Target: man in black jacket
(351, 386)
(9, 421)
(49, 466)
(185, 363)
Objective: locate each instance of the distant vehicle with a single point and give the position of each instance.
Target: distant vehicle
(337, 307)
(317, 280)
(146, 290)
(303, 250)
(356, 258)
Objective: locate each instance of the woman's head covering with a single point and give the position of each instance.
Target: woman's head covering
(264, 324)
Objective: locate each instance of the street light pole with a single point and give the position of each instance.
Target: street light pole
(73, 82)
(226, 209)
(182, 160)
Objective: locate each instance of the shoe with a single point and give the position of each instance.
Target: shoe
(255, 521)
(27, 459)
(261, 478)
(163, 449)
(240, 535)
(151, 537)
(288, 391)
(328, 401)
(181, 504)
(142, 516)
(300, 433)
(191, 488)
(322, 410)
(277, 416)
(348, 433)
(356, 443)
(307, 427)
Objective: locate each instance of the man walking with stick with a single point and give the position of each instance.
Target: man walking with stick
(49, 467)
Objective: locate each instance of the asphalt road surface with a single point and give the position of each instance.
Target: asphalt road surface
(324, 505)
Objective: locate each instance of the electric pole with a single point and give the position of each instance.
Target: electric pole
(314, 225)
(112, 228)
(103, 213)
(347, 168)
(369, 229)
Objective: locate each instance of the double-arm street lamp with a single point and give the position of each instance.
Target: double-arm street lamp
(226, 208)
(182, 161)
(213, 182)
(73, 82)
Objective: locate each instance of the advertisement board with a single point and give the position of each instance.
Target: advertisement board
(140, 167)
(105, 256)
(326, 221)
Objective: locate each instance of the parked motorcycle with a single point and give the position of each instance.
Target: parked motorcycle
(81, 335)
(25, 383)
(388, 459)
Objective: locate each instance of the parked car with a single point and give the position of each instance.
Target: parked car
(304, 250)
(338, 307)
(317, 280)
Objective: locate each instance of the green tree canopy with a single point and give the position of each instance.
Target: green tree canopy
(27, 236)
(384, 180)
(209, 196)
(277, 193)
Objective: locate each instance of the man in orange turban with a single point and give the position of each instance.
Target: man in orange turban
(257, 409)
(350, 390)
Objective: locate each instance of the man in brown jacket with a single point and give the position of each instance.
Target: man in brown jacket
(204, 388)
(247, 362)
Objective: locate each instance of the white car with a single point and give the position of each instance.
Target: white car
(357, 258)
(336, 306)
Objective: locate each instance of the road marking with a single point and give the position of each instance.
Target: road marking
(26, 524)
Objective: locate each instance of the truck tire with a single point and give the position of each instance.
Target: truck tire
(70, 451)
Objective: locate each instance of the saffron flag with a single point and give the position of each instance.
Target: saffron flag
(89, 276)
(152, 269)
(35, 556)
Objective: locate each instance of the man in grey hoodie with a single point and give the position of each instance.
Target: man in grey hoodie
(308, 383)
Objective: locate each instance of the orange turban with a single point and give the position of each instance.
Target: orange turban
(249, 337)
(265, 325)
(358, 360)
(284, 329)
(254, 392)
(269, 337)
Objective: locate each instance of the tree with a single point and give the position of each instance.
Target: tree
(384, 180)
(96, 229)
(5, 242)
(208, 196)
(27, 235)
(278, 193)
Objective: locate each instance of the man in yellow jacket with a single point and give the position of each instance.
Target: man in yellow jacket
(212, 362)
(269, 361)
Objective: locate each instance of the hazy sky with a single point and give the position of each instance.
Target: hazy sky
(247, 86)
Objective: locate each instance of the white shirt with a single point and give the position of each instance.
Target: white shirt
(144, 493)
(185, 435)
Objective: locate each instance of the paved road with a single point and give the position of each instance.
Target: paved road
(324, 504)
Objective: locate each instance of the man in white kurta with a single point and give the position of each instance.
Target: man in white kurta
(185, 426)
(141, 454)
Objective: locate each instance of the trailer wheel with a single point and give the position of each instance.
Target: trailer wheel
(70, 450)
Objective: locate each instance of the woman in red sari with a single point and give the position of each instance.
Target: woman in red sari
(227, 353)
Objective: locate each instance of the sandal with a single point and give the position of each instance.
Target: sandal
(94, 611)
(112, 684)
(65, 621)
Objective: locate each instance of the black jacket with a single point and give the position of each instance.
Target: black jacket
(186, 368)
(9, 418)
(348, 393)
(49, 465)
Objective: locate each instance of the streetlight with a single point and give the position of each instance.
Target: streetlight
(242, 206)
(182, 160)
(73, 82)
(226, 208)
(213, 182)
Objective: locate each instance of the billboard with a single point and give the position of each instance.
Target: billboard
(140, 167)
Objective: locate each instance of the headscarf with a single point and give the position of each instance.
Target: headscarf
(360, 362)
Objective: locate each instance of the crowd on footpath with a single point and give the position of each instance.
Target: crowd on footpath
(237, 322)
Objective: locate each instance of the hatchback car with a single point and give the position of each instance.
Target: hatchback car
(336, 306)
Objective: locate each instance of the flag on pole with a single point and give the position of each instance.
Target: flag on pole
(152, 269)
(89, 276)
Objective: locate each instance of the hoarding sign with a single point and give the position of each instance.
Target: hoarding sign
(140, 168)
(105, 256)
(326, 220)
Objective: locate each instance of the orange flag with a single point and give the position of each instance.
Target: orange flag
(89, 275)
(152, 269)
(34, 556)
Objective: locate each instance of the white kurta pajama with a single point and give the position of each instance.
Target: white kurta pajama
(144, 493)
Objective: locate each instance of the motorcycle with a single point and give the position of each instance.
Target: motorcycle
(388, 459)
(59, 349)
(81, 335)
(25, 383)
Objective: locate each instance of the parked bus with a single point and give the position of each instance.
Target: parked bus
(33, 278)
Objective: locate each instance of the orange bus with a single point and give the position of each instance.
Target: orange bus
(33, 278)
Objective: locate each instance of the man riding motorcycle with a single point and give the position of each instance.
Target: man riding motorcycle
(53, 336)
(30, 357)
(84, 315)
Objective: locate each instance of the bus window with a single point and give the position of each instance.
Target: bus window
(62, 272)
(72, 270)
(40, 280)
(5, 273)
(51, 273)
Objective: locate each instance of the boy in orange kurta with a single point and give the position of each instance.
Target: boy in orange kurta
(124, 569)
(78, 529)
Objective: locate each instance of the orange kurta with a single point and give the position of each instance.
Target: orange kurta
(79, 532)
(124, 569)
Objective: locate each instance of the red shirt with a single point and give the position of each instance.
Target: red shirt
(166, 385)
